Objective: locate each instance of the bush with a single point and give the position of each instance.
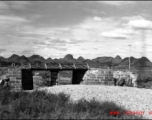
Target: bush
(41, 105)
(144, 78)
(5, 95)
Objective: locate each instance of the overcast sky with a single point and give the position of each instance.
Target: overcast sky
(83, 28)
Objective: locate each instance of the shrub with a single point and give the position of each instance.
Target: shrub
(5, 95)
(3, 111)
(43, 105)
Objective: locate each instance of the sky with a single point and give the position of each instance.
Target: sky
(82, 28)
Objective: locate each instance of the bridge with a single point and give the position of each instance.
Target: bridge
(27, 69)
(55, 66)
(43, 65)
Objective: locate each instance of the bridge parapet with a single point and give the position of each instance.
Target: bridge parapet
(67, 66)
(53, 66)
(38, 65)
(82, 66)
(25, 66)
(43, 65)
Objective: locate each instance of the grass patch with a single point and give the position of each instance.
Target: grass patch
(41, 105)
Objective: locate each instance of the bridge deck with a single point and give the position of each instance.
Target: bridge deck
(49, 66)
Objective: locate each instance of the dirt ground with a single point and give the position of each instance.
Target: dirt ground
(133, 99)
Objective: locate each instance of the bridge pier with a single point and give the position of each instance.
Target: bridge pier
(77, 76)
(27, 79)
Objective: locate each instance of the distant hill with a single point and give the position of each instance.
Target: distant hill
(61, 60)
(48, 60)
(22, 59)
(87, 61)
(103, 62)
(69, 58)
(125, 61)
(143, 62)
(80, 59)
(13, 58)
(34, 58)
(102, 59)
(116, 60)
(2, 58)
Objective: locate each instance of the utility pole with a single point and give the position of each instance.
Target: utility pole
(129, 55)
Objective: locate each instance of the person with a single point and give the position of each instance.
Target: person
(115, 81)
(5, 81)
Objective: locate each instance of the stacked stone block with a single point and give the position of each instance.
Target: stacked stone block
(102, 77)
(15, 79)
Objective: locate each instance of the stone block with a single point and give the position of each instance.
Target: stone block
(12, 78)
(12, 75)
(17, 88)
(18, 76)
(14, 72)
(19, 71)
(92, 78)
(10, 72)
(102, 82)
(89, 80)
(18, 81)
(17, 84)
(110, 82)
(100, 77)
(12, 87)
(96, 80)
(12, 82)
(94, 83)
(106, 82)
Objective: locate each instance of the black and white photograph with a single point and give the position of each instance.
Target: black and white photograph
(75, 59)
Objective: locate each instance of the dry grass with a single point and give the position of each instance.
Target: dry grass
(130, 98)
(40, 105)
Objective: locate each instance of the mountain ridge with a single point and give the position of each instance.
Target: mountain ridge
(106, 61)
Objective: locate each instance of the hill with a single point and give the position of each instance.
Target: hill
(104, 62)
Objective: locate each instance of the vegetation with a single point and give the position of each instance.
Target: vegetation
(41, 105)
(144, 79)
